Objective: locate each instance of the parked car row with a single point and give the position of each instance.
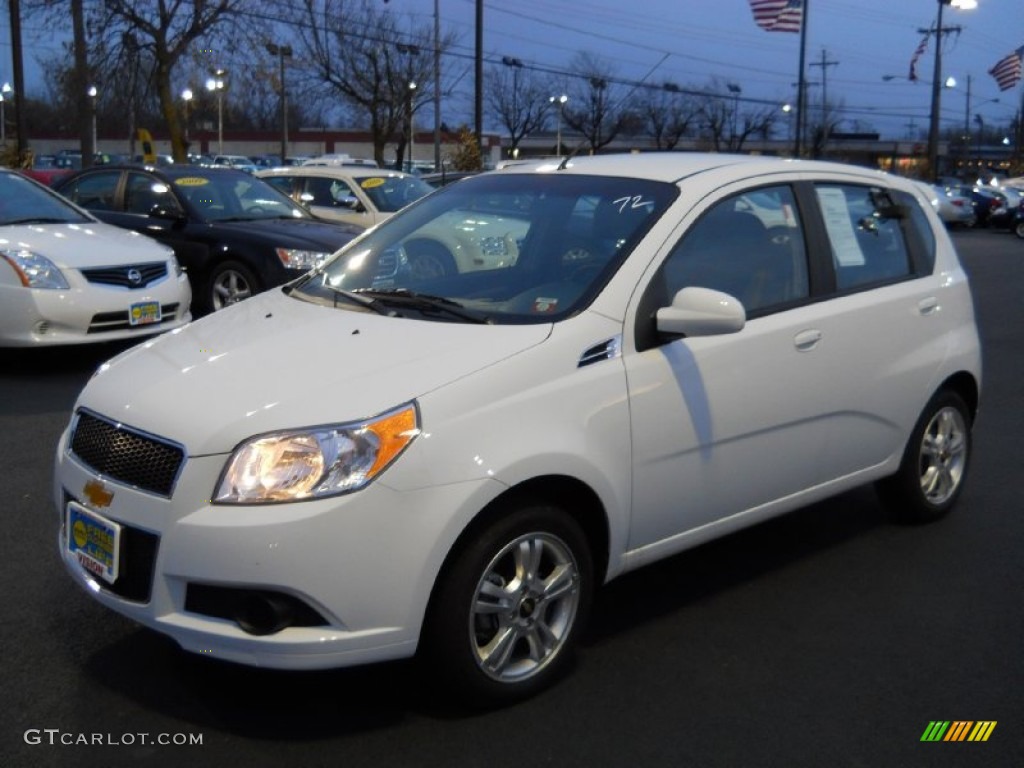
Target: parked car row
(234, 234)
(234, 231)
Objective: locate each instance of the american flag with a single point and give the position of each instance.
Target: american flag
(1007, 70)
(921, 48)
(778, 15)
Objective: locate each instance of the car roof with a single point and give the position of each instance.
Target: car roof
(673, 167)
(334, 171)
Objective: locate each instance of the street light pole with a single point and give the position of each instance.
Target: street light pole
(92, 95)
(282, 52)
(5, 91)
(559, 101)
(186, 96)
(216, 84)
(412, 135)
(735, 90)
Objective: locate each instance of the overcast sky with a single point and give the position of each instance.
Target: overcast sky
(689, 42)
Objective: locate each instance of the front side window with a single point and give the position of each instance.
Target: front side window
(501, 248)
(750, 246)
(144, 193)
(864, 226)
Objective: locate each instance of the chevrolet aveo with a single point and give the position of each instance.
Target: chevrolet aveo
(636, 354)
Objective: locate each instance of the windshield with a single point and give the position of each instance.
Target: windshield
(235, 196)
(22, 202)
(392, 193)
(503, 247)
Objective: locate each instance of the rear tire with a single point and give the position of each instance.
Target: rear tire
(507, 611)
(935, 462)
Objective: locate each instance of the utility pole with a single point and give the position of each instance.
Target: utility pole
(14, 7)
(86, 104)
(478, 100)
(933, 124)
(824, 64)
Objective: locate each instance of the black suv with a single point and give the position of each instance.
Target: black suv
(234, 234)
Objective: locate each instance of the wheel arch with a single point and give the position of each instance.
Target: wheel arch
(965, 385)
(570, 494)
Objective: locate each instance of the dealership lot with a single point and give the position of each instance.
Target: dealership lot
(825, 637)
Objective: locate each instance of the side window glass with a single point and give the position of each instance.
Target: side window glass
(280, 183)
(95, 191)
(144, 193)
(750, 246)
(919, 232)
(339, 190)
(865, 234)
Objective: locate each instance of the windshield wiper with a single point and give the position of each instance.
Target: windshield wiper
(425, 303)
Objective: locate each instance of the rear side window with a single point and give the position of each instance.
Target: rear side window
(94, 191)
(865, 228)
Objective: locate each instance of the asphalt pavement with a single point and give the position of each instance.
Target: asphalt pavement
(828, 637)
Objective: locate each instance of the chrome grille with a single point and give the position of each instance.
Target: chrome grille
(126, 455)
(130, 276)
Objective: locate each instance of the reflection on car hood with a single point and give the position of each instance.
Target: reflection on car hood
(84, 244)
(296, 233)
(274, 362)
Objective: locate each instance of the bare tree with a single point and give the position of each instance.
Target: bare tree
(518, 100)
(668, 115)
(363, 55)
(597, 113)
(163, 31)
(726, 125)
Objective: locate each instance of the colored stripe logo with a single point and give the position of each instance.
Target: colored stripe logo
(958, 730)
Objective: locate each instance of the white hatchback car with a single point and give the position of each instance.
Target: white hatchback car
(68, 278)
(652, 351)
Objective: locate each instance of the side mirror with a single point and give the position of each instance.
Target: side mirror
(163, 212)
(351, 202)
(701, 312)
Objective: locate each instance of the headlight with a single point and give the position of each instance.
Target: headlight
(295, 258)
(35, 271)
(317, 462)
(175, 265)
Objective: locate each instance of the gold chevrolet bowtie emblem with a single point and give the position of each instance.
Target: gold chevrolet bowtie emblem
(98, 494)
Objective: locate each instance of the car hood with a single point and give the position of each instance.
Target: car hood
(273, 362)
(295, 233)
(83, 245)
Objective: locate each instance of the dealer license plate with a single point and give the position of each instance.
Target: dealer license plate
(144, 313)
(94, 541)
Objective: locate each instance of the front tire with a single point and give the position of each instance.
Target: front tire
(934, 466)
(230, 282)
(507, 612)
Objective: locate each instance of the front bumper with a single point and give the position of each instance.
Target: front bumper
(365, 563)
(87, 314)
